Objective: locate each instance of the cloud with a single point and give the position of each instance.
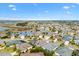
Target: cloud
(13, 7)
(46, 11)
(73, 6)
(68, 12)
(66, 7)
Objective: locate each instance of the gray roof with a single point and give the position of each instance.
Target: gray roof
(51, 46)
(15, 42)
(23, 46)
(76, 41)
(41, 43)
(67, 37)
(1, 41)
(64, 51)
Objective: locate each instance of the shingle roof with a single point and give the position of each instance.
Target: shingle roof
(64, 51)
(51, 46)
(23, 46)
(14, 42)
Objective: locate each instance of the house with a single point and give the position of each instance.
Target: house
(2, 34)
(45, 38)
(33, 41)
(66, 39)
(50, 46)
(12, 42)
(22, 35)
(41, 36)
(55, 40)
(2, 42)
(64, 51)
(13, 36)
(23, 47)
(41, 42)
(66, 43)
(77, 41)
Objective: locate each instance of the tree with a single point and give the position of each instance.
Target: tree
(21, 24)
(59, 31)
(75, 53)
(4, 37)
(72, 41)
(62, 44)
(8, 33)
(36, 49)
(40, 49)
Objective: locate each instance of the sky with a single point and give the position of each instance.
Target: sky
(39, 11)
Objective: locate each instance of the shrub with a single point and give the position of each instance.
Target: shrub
(48, 53)
(40, 49)
(37, 49)
(4, 37)
(72, 41)
(62, 44)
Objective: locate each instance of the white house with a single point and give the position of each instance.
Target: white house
(46, 38)
(22, 37)
(55, 40)
(12, 36)
(66, 43)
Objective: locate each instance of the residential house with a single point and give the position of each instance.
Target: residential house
(64, 51)
(51, 46)
(23, 47)
(66, 39)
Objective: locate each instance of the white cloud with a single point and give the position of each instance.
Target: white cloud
(66, 7)
(68, 12)
(73, 6)
(46, 11)
(11, 6)
(14, 9)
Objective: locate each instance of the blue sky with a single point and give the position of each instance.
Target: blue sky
(39, 11)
